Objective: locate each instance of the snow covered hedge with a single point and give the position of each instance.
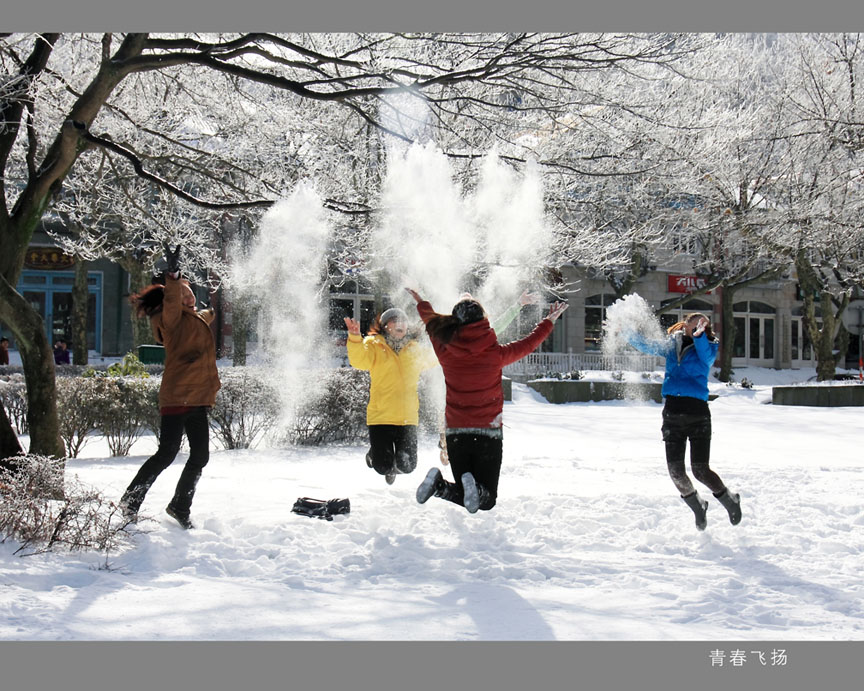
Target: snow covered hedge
(248, 408)
(44, 511)
(335, 414)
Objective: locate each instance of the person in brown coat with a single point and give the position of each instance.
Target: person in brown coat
(189, 385)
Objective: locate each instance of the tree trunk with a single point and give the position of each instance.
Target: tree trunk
(139, 278)
(240, 321)
(727, 348)
(9, 444)
(79, 314)
(821, 335)
(37, 358)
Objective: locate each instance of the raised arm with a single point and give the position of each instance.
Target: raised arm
(519, 349)
(503, 320)
(359, 355)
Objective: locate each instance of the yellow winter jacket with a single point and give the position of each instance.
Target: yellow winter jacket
(393, 396)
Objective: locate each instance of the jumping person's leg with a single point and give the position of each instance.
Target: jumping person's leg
(406, 449)
(198, 433)
(382, 451)
(170, 436)
(479, 455)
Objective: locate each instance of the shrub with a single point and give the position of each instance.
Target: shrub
(76, 413)
(13, 398)
(573, 375)
(124, 407)
(42, 519)
(337, 414)
(246, 408)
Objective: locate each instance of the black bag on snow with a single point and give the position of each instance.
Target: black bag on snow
(320, 508)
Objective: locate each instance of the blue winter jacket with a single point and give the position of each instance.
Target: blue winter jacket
(687, 367)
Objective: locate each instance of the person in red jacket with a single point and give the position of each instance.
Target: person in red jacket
(472, 360)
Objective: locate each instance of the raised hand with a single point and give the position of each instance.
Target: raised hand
(414, 294)
(353, 326)
(528, 298)
(556, 309)
(172, 259)
(700, 326)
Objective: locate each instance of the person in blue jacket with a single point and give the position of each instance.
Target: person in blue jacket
(690, 351)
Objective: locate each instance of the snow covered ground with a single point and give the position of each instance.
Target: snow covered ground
(588, 542)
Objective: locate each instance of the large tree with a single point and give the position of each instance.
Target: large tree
(61, 96)
(820, 188)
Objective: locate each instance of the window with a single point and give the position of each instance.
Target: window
(755, 336)
(595, 315)
(351, 299)
(50, 294)
(684, 241)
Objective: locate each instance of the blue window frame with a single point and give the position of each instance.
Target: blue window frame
(50, 294)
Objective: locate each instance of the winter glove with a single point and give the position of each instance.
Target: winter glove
(172, 259)
(700, 327)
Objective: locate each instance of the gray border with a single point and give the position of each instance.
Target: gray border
(435, 15)
(227, 666)
(595, 666)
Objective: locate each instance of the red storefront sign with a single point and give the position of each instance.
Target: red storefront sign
(684, 284)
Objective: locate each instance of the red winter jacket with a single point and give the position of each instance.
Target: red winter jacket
(472, 364)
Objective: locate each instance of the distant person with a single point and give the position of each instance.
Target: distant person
(472, 360)
(690, 350)
(394, 358)
(4, 351)
(188, 390)
(61, 354)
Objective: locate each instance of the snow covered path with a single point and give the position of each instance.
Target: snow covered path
(588, 541)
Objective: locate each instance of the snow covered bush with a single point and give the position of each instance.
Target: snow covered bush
(42, 514)
(77, 415)
(246, 407)
(337, 414)
(124, 407)
(13, 398)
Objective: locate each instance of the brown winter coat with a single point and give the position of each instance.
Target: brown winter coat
(190, 377)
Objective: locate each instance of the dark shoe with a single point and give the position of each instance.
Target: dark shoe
(471, 496)
(699, 507)
(390, 477)
(732, 504)
(369, 459)
(181, 518)
(430, 484)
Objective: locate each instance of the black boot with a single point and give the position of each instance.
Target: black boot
(430, 485)
(132, 499)
(732, 503)
(180, 506)
(475, 494)
(182, 518)
(700, 508)
(434, 485)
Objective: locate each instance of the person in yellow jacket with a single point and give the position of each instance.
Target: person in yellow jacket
(394, 358)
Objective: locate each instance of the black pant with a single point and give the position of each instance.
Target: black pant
(689, 418)
(480, 455)
(197, 429)
(393, 448)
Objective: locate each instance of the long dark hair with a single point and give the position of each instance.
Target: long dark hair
(444, 327)
(149, 301)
